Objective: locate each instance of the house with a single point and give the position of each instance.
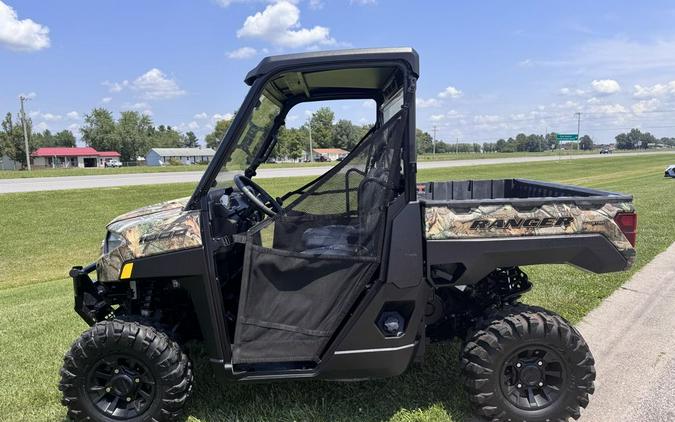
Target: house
(164, 156)
(72, 157)
(329, 154)
(7, 163)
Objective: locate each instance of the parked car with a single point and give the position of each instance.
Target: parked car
(605, 151)
(346, 278)
(113, 163)
(670, 171)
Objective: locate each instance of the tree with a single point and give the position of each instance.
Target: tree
(14, 141)
(64, 138)
(291, 143)
(189, 140)
(134, 132)
(345, 134)
(214, 138)
(98, 130)
(423, 142)
(322, 128)
(586, 143)
(165, 137)
(634, 139)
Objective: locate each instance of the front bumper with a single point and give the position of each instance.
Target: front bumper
(89, 295)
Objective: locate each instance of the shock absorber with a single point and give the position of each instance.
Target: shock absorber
(146, 306)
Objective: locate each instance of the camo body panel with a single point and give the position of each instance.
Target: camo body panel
(181, 230)
(444, 222)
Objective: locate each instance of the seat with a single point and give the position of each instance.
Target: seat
(340, 239)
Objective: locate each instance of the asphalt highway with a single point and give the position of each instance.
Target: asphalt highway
(112, 180)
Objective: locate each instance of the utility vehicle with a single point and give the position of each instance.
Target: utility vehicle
(345, 278)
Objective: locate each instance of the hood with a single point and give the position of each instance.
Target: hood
(152, 230)
(174, 204)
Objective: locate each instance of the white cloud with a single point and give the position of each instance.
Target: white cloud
(363, 2)
(29, 96)
(137, 106)
(49, 117)
(658, 90)
(200, 116)
(572, 92)
(106, 100)
(226, 3)
(428, 103)
(607, 108)
(73, 115)
(74, 127)
(606, 86)
(242, 53)
(41, 127)
(315, 4)
(154, 85)
(645, 106)
(450, 92)
(217, 117)
(193, 125)
(279, 24)
(21, 35)
(487, 119)
(437, 117)
(115, 86)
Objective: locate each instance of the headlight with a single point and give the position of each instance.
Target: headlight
(112, 241)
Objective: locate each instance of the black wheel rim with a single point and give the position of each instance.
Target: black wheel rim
(120, 387)
(533, 377)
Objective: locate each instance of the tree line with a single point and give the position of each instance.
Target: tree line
(293, 142)
(133, 134)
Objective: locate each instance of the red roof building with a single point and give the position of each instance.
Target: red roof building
(72, 157)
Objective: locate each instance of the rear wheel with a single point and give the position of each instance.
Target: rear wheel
(527, 364)
(125, 371)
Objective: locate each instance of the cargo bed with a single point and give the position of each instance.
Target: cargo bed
(512, 190)
(473, 226)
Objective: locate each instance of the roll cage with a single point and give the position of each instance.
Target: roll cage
(332, 63)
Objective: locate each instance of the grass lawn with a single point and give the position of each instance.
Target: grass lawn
(45, 233)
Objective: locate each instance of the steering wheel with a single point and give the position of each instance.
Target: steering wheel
(257, 195)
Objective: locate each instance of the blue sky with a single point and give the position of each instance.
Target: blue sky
(488, 69)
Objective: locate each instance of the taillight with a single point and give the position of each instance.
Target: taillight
(627, 222)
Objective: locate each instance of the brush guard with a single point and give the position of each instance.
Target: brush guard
(89, 295)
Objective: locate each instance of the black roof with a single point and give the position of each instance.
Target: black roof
(275, 63)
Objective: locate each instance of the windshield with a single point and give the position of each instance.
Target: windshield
(248, 143)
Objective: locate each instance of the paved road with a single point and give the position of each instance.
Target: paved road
(632, 337)
(98, 181)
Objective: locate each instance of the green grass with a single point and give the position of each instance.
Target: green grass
(44, 233)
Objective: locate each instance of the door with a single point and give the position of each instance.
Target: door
(305, 268)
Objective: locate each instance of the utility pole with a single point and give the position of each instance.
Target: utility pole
(457, 146)
(311, 151)
(433, 142)
(25, 132)
(578, 114)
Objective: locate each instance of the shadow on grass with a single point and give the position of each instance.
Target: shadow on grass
(428, 392)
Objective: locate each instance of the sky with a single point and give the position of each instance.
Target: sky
(489, 69)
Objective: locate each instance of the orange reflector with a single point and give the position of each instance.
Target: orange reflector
(126, 271)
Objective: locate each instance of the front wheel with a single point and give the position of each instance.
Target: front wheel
(527, 364)
(125, 371)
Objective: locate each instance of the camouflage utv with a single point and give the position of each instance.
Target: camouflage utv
(347, 277)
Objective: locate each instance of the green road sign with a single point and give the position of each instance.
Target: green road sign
(566, 137)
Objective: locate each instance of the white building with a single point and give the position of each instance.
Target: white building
(164, 156)
(52, 157)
